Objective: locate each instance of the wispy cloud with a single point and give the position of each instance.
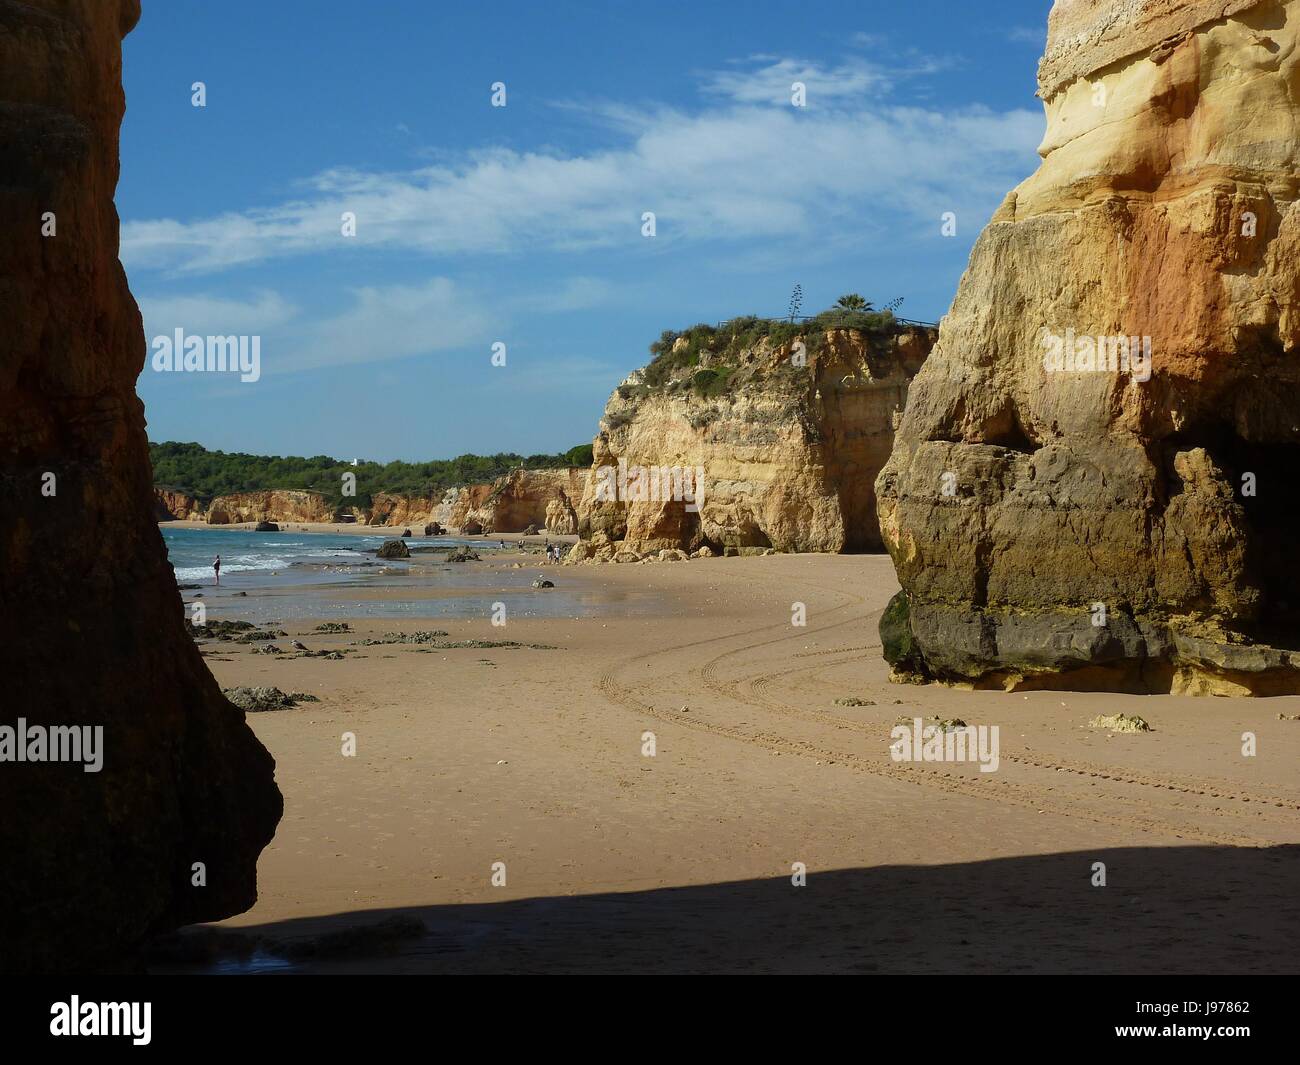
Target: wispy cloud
(205, 315)
(742, 167)
(374, 324)
(1035, 35)
(771, 82)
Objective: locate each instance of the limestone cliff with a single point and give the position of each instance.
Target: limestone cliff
(92, 633)
(279, 504)
(457, 504)
(540, 498)
(1062, 508)
(785, 429)
(388, 508)
(543, 498)
(175, 504)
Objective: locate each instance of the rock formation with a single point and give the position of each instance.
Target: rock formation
(175, 504)
(388, 508)
(787, 432)
(1062, 511)
(546, 498)
(393, 549)
(93, 633)
(278, 505)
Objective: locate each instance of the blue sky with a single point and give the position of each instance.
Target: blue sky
(523, 224)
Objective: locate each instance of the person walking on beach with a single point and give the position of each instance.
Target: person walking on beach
(216, 570)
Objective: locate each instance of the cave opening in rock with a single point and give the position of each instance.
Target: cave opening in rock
(1262, 476)
(1008, 430)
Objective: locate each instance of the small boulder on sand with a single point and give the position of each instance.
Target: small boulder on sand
(259, 700)
(394, 549)
(1120, 723)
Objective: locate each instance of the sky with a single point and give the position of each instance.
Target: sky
(523, 225)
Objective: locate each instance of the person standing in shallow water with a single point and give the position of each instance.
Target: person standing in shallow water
(216, 570)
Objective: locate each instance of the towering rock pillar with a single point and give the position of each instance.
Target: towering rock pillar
(1095, 482)
(169, 827)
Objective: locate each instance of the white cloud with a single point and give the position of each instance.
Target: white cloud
(579, 293)
(375, 324)
(1036, 35)
(741, 169)
(205, 315)
(389, 323)
(771, 83)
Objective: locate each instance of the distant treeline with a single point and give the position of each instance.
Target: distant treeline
(205, 474)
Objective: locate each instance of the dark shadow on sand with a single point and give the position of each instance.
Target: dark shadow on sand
(1188, 910)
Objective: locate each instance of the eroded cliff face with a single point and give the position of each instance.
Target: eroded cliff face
(784, 437)
(279, 504)
(93, 632)
(544, 498)
(388, 508)
(1060, 512)
(532, 497)
(174, 504)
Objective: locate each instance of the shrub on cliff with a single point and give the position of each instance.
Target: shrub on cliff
(712, 383)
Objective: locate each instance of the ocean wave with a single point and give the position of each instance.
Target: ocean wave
(236, 564)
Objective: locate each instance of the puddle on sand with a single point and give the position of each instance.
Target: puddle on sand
(259, 961)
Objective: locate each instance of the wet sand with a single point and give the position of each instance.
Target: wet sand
(683, 861)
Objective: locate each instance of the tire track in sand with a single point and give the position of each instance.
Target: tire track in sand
(984, 786)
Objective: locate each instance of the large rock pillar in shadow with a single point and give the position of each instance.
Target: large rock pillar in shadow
(92, 632)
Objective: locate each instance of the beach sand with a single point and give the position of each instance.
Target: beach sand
(620, 862)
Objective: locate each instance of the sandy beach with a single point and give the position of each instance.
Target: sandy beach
(771, 747)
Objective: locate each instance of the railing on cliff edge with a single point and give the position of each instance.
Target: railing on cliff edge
(812, 317)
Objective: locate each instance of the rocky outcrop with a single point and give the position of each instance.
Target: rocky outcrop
(175, 504)
(546, 498)
(168, 830)
(785, 434)
(278, 505)
(457, 505)
(387, 508)
(1064, 509)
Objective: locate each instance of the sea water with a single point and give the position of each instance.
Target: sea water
(267, 577)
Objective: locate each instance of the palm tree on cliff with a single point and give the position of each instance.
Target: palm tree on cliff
(853, 302)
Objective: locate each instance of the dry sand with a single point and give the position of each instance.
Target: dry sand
(620, 862)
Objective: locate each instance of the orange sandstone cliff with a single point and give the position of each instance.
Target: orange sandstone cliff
(1064, 510)
(785, 436)
(91, 623)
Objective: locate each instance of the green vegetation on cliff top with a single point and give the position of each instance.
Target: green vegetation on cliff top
(727, 340)
(204, 474)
